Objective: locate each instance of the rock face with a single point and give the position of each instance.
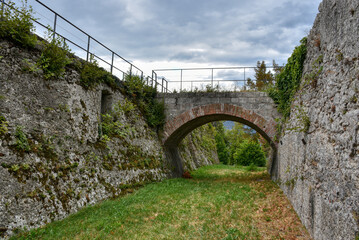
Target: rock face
(199, 148)
(318, 168)
(54, 158)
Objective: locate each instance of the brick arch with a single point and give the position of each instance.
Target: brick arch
(178, 127)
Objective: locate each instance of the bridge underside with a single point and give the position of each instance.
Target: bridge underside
(177, 128)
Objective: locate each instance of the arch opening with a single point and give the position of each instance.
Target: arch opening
(176, 130)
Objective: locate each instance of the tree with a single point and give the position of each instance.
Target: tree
(263, 78)
(221, 143)
(250, 152)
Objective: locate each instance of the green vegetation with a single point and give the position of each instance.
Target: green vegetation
(3, 126)
(287, 82)
(22, 143)
(16, 25)
(302, 120)
(312, 77)
(220, 202)
(113, 127)
(144, 97)
(221, 143)
(241, 145)
(263, 79)
(249, 153)
(92, 75)
(54, 57)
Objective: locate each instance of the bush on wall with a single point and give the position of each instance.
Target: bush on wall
(287, 82)
(16, 25)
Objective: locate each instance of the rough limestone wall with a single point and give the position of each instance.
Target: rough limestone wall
(67, 166)
(318, 168)
(199, 148)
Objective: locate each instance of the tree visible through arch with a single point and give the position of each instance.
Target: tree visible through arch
(178, 127)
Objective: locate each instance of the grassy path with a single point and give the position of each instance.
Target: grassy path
(220, 202)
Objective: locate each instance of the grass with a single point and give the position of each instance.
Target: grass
(219, 202)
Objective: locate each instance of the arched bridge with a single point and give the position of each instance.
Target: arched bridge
(187, 111)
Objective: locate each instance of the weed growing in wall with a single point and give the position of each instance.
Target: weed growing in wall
(16, 25)
(126, 106)
(303, 120)
(22, 144)
(111, 127)
(92, 75)
(3, 126)
(288, 80)
(54, 57)
(144, 97)
(312, 77)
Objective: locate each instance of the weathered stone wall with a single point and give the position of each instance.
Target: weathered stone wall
(318, 168)
(63, 164)
(199, 148)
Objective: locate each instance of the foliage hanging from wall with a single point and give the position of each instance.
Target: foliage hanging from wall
(287, 82)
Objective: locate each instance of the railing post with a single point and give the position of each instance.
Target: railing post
(212, 77)
(153, 76)
(147, 80)
(163, 84)
(88, 48)
(113, 56)
(181, 80)
(141, 75)
(244, 74)
(245, 82)
(131, 70)
(55, 21)
(156, 84)
(166, 86)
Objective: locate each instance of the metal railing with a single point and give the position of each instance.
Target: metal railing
(202, 79)
(111, 63)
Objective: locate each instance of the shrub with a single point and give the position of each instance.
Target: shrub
(112, 128)
(248, 153)
(155, 114)
(144, 97)
(54, 58)
(16, 25)
(92, 75)
(125, 106)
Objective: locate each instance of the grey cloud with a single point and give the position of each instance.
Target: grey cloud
(231, 32)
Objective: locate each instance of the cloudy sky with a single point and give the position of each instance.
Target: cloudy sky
(191, 33)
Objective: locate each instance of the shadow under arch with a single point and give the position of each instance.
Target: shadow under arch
(177, 128)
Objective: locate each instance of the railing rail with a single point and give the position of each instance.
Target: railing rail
(189, 79)
(112, 64)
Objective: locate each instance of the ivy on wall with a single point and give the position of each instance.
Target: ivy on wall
(288, 80)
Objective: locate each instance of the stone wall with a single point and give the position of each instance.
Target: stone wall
(199, 148)
(54, 159)
(318, 168)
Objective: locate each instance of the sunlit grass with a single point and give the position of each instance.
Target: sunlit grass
(220, 202)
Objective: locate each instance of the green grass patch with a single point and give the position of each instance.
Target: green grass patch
(219, 202)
